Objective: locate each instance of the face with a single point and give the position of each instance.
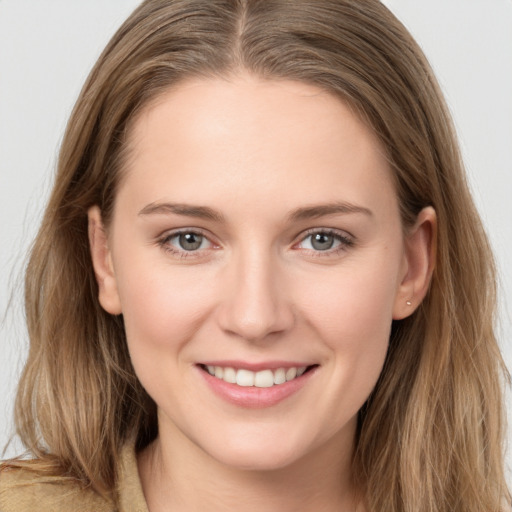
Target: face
(257, 256)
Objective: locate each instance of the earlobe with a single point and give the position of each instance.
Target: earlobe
(420, 254)
(102, 263)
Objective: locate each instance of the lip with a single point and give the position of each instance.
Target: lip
(253, 397)
(255, 367)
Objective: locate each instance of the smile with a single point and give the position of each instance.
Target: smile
(255, 385)
(260, 379)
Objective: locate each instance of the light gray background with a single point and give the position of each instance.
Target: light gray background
(47, 48)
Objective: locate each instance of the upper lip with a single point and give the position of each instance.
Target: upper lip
(255, 367)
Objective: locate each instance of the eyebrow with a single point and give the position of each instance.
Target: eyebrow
(204, 212)
(199, 212)
(321, 210)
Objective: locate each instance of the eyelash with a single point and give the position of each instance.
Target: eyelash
(345, 242)
(164, 243)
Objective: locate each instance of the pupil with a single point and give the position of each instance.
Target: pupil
(190, 241)
(322, 241)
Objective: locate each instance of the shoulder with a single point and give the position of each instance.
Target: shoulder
(24, 490)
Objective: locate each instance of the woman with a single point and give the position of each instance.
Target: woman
(260, 280)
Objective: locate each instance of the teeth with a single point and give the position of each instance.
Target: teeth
(291, 373)
(229, 375)
(264, 379)
(261, 379)
(279, 376)
(245, 378)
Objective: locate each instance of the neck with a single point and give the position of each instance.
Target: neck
(178, 476)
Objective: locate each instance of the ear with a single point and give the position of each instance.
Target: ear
(419, 260)
(102, 263)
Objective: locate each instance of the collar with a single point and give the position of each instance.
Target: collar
(129, 488)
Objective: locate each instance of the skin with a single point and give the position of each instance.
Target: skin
(257, 289)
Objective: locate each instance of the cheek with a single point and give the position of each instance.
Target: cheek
(352, 313)
(162, 308)
(162, 312)
(351, 303)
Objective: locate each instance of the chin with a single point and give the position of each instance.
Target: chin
(255, 460)
(257, 455)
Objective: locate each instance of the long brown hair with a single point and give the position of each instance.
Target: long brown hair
(430, 436)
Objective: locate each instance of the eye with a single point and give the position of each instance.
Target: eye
(320, 241)
(189, 241)
(185, 241)
(325, 241)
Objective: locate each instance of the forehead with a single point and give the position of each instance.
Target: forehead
(247, 136)
(217, 104)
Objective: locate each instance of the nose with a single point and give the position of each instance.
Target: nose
(255, 302)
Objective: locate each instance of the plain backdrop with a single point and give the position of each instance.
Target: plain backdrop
(47, 48)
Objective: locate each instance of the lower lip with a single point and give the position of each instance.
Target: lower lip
(252, 397)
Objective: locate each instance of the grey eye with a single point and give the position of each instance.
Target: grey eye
(322, 241)
(189, 241)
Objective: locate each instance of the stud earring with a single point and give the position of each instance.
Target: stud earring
(409, 303)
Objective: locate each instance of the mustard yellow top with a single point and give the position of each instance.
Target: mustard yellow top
(24, 491)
